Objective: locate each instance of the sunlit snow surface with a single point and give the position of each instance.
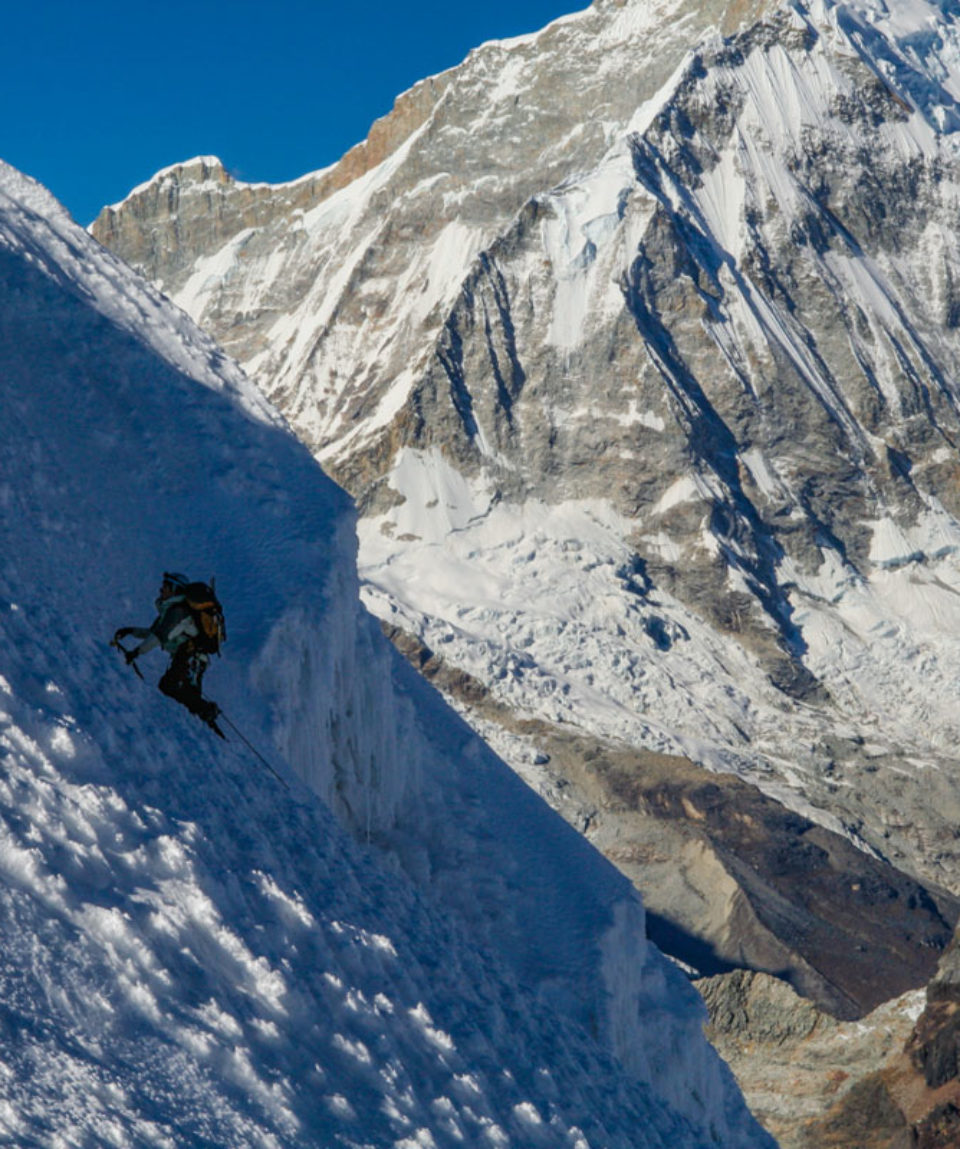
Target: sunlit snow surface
(193, 953)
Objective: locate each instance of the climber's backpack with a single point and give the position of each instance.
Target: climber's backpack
(207, 613)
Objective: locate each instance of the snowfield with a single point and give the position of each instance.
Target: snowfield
(400, 945)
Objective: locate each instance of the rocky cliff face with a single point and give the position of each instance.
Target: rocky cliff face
(912, 1099)
(636, 341)
(796, 1063)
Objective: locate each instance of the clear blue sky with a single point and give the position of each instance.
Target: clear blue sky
(97, 95)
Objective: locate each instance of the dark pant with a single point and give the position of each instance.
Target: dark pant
(183, 679)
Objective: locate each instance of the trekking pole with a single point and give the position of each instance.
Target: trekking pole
(250, 746)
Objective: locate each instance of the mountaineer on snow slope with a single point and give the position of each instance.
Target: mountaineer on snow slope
(189, 626)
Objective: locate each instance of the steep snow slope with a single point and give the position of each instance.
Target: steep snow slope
(192, 952)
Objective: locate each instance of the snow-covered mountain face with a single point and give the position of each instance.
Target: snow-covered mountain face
(636, 342)
(196, 951)
(332, 289)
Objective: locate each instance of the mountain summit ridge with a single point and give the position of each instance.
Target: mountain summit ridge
(421, 153)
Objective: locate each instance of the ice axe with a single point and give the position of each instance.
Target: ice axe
(127, 654)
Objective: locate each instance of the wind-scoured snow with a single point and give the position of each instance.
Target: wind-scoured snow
(193, 951)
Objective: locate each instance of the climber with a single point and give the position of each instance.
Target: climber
(189, 626)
